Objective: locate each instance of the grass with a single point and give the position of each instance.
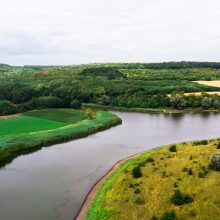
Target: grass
(40, 120)
(18, 143)
(161, 178)
(60, 115)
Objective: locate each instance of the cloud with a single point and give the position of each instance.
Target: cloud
(84, 31)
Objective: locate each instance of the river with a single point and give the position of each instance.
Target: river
(52, 183)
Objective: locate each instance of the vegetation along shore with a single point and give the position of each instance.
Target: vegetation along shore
(178, 181)
(30, 131)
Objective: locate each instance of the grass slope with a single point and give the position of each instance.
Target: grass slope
(124, 197)
(12, 145)
(40, 120)
(60, 115)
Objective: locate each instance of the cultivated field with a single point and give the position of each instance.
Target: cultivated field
(200, 93)
(33, 130)
(39, 120)
(215, 83)
(148, 196)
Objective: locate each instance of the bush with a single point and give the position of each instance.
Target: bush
(139, 200)
(137, 191)
(169, 216)
(90, 113)
(136, 172)
(175, 185)
(172, 148)
(179, 198)
(46, 102)
(150, 160)
(218, 145)
(190, 172)
(203, 142)
(7, 108)
(75, 104)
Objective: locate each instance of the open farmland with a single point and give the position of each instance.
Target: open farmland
(39, 120)
(30, 131)
(215, 83)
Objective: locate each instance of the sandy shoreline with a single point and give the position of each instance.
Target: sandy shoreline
(93, 191)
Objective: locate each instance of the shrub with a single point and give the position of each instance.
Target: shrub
(90, 113)
(139, 200)
(46, 102)
(185, 169)
(190, 172)
(137, 191)
(179, 198)
(150, 160)
(169, 216)
(75, 104)
(203, 142)
(154, 218)
(7, 108)
(172, 148)
(191, 157)
(136, 172)
(218, 145)
(175, 185)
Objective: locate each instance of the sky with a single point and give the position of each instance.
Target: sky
(62, 32)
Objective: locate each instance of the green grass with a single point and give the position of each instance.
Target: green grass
(17, 143)
(24, 124)
(117, 197)
(60, 115)
(40, 120)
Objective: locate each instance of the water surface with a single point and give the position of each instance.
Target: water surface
(52, 183)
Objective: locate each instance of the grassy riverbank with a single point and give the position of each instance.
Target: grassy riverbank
(33, 130)
(147, 110)
(150, 192)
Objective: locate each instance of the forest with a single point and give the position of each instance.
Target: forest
(129, 85)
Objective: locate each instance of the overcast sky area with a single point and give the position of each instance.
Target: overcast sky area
(54, 32)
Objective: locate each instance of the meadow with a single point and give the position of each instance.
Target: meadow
(172, 182)
(33, 130)
(39, 120)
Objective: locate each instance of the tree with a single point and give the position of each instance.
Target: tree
(177, 101)
(75, 104)
(47, 102)
(216, 103)
(104, 100)
(206, 102)
(7, 108)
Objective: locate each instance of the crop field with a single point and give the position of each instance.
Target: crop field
(30, 131)
(39, 120)
(151, 194)
(215, 83)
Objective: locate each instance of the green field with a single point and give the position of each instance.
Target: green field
(30, 131)
(40, 120)
(122, 196)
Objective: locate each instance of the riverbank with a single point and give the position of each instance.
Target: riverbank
(147, 110)
(14, 145)
(116, 195)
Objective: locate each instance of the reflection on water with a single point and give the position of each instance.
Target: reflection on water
(52, 183)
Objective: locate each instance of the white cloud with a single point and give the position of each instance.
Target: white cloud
(84, 31)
